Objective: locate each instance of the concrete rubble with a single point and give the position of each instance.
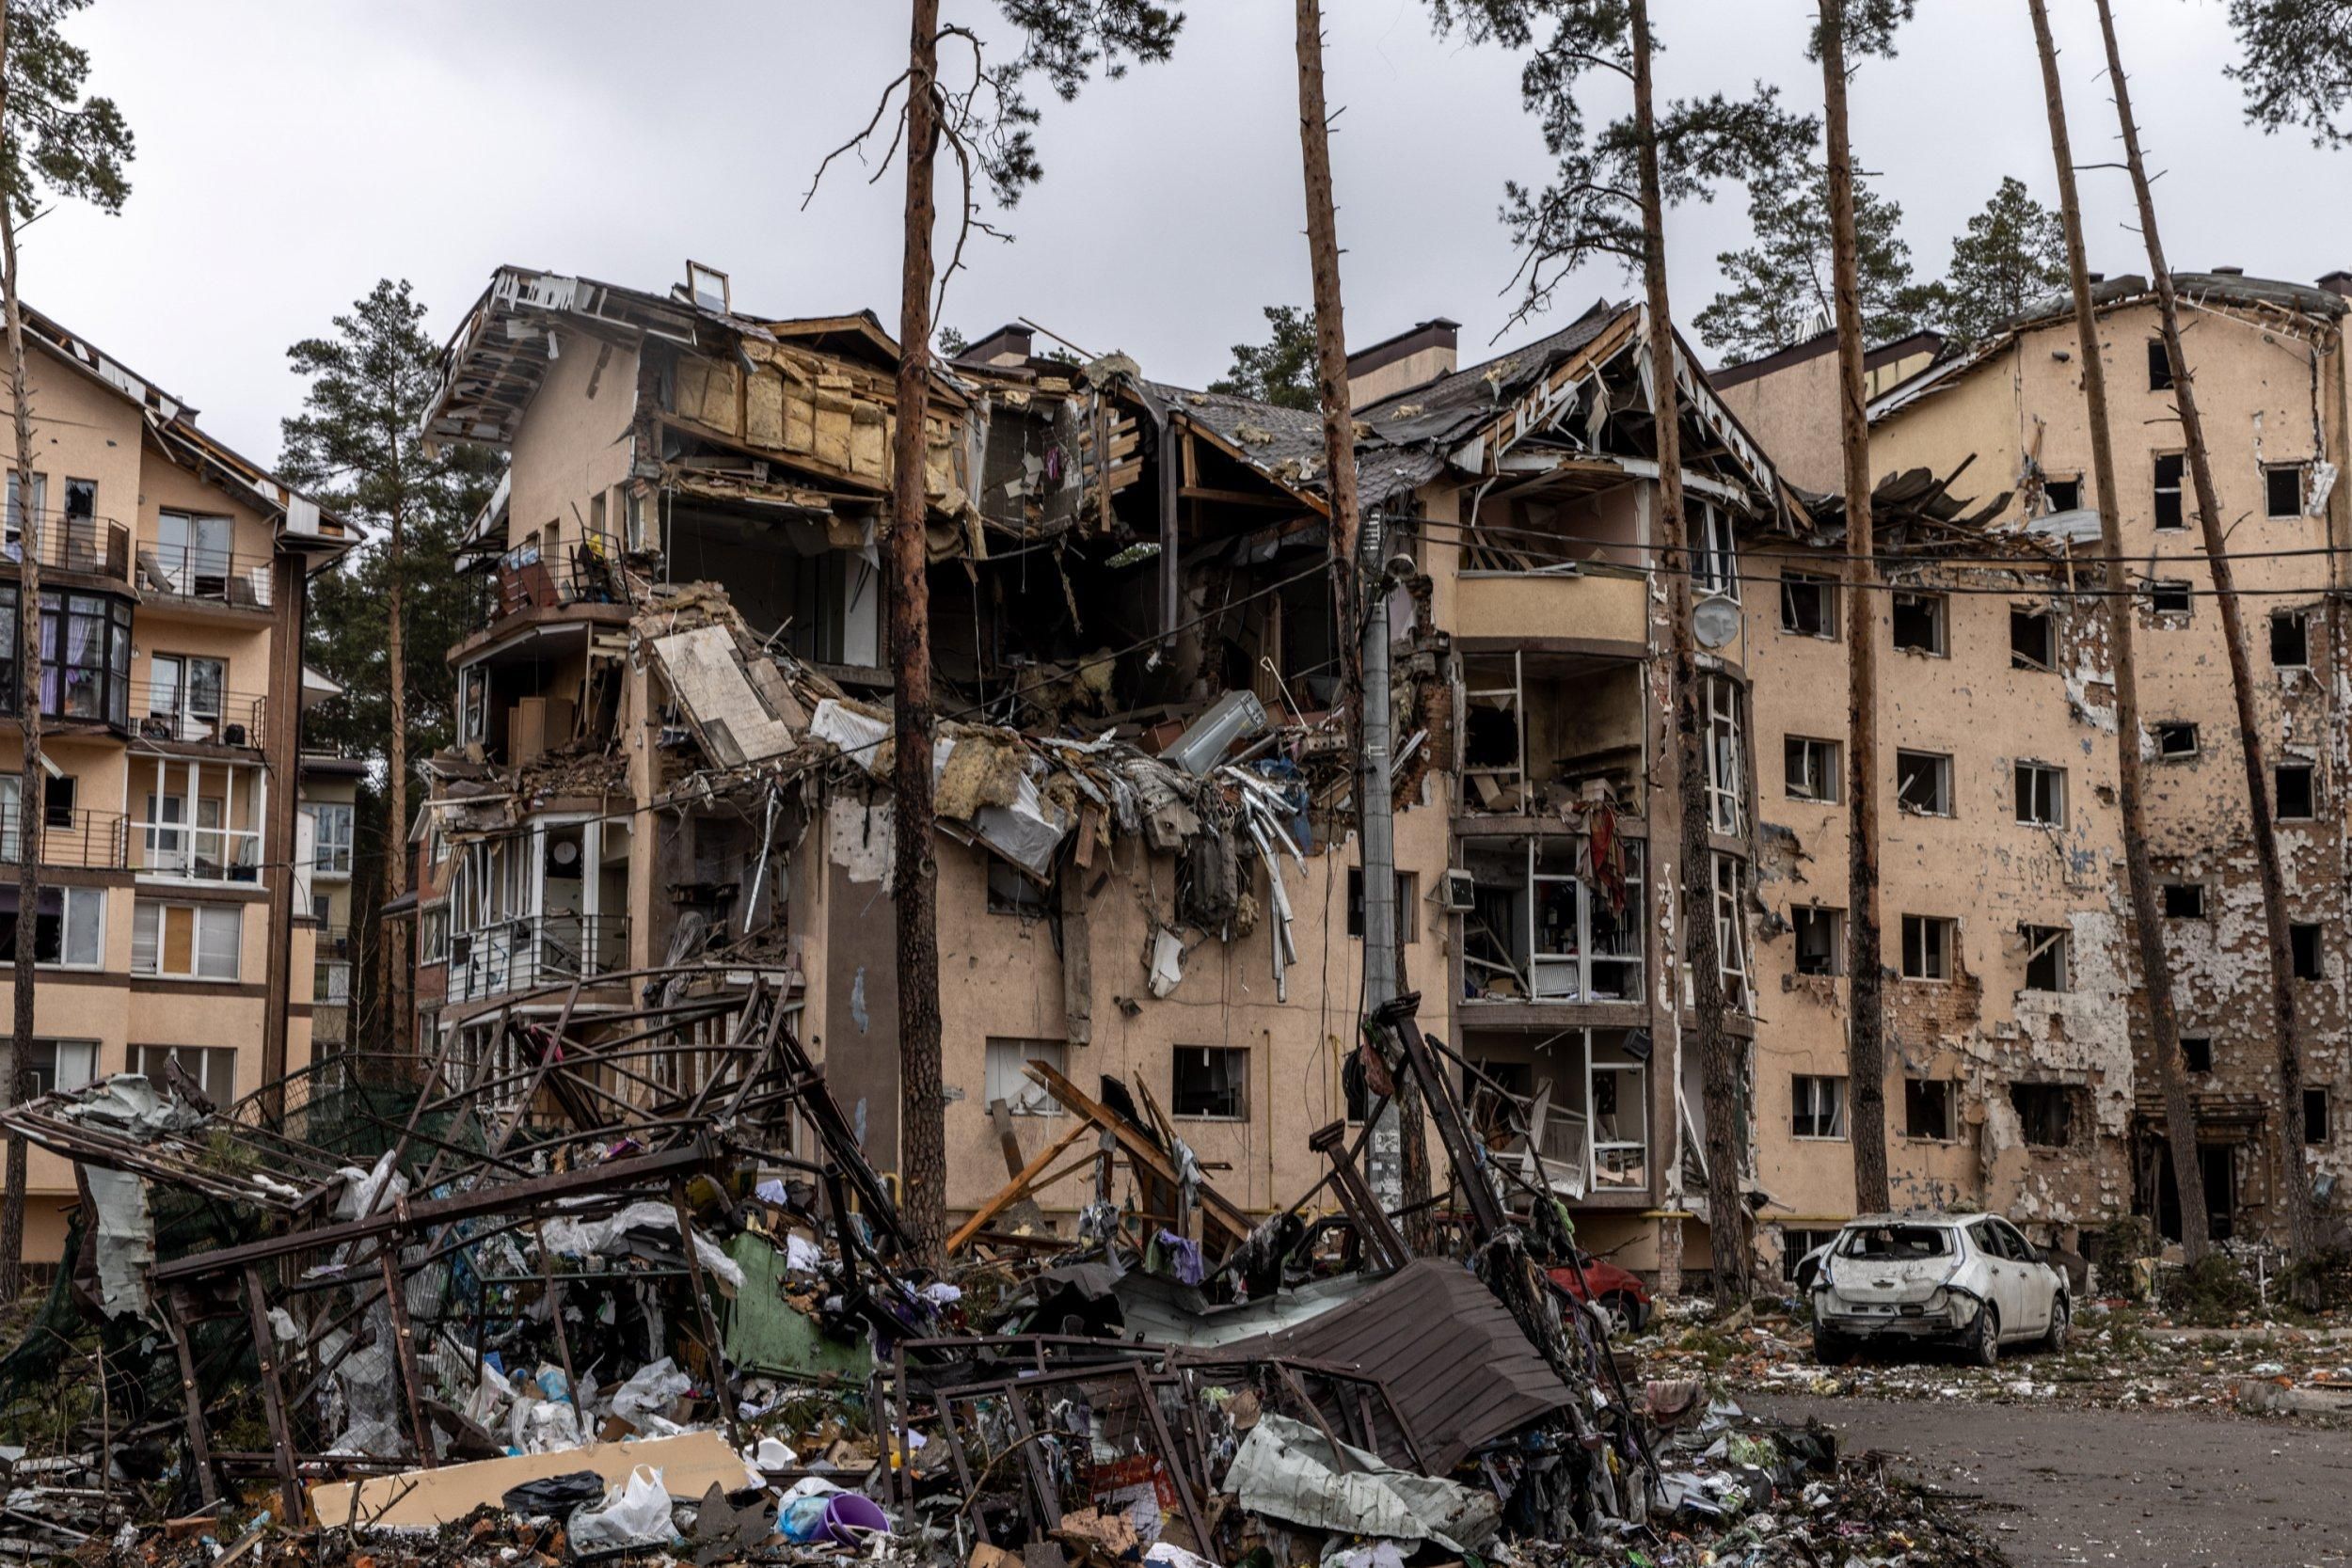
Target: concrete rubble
(531, 1318)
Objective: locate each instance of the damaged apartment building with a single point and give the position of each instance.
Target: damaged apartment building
(673, 746)
(2019, 1076)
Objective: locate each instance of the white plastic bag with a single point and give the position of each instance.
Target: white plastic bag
(636, 1514)
(650, 1392)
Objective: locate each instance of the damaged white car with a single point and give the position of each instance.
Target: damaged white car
(1968, 1280)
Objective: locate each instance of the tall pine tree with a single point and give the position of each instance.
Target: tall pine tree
(1777, 291)
(2013, 254)
(986, 125)
(2298, 68)
(358, 446)
(54, 143)
(1281, 370)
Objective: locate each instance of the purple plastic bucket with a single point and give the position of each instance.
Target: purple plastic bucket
(850, 1516)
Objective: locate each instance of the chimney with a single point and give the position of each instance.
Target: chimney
(2338, 282)
(1411, 358)
(2229, 271)
(1007, 345)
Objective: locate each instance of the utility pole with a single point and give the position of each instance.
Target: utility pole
(2180, 1124)
(2285, 1018)
(1866, 1009)
(1382, 964)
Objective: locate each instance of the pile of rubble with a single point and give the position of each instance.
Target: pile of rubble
(565, 1302)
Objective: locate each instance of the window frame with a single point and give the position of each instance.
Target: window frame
(2327, 1116)
(139, 1058)
(1825, 589)
(1944, 805)
(1237, 1086)
(1818, 1100)
(1940, 644)
(1912, 1105)
(2279, 775)
(2190, 1059)
(2068, 1096)
(2272, 473)
(2312, 933)
(2301, 621)
(2033, 781)
(200, 914)
(2049, 482)
(2160, 367)
(46, 1078)
(1030, 1097)
(2163, 727)
(1407, 904)
(2169, 500)
(2018, 659)
(2161, 591)
(1793, 746)
(323, 862)
(1808, 914)
(2165, 897)
(1947, 932)
(71, 896)
(2053, 945)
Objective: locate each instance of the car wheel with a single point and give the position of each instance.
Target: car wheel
(1621, 1312)
(1832, 1349)
(1984, 1341)
(2062, 1319)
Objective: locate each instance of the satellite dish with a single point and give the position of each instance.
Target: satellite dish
(564, 852)
(1715, 621)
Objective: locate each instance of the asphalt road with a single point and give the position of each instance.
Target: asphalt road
(2064, 1487)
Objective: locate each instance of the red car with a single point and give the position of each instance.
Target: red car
(1621, 1296)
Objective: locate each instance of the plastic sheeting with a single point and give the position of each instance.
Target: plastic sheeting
(1287, 1470)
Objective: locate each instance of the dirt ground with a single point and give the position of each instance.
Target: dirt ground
(2062, 1485)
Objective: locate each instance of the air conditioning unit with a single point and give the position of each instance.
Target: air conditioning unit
(1461, 892)
(233, 735)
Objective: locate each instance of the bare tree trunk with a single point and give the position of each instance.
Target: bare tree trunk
(2286, 1020)
(1866, 1027)
(914, 894)
(2147, 923)
(1322, 250)
(1720, 1057)
(396, 972)
(28, 807)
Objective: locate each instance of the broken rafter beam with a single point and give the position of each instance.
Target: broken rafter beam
(1142, 1150)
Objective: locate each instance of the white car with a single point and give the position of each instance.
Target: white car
(1969, 1280)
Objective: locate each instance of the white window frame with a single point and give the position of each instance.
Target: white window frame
(1718, 573)
(1944, 801)
(1940, 645)
(1823, 762)
(324, 861)
(1945, 954)
(209, 1062)
(1002, 1077)
(201, 916)
(1829, 590)
(1727, 762)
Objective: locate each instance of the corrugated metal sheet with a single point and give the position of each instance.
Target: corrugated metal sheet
(1454, 1360)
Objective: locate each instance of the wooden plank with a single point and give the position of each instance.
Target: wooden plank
(1231, 1221)
(1013, 1191)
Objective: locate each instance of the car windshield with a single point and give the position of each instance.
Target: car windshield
(1896, 1241)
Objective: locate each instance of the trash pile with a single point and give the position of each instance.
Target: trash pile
(506, 1313)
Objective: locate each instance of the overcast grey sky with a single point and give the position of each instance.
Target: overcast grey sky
(291, 151)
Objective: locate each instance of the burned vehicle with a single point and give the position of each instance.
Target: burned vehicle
(1966, 1280)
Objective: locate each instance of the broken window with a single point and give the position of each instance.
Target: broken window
(1927, 947)
(1928, 1106)
(2316, 1128)
(1210, 1081)
(1731, 941)
(2160, 367)
(2283, 489)
(1923, 783)
(2290, 640)
(2167, 596)
(1538, 929)
(2064, 495)
(1011, 893)
(2303, 946)
(2032, 640)
(212, 1067)
(2041, 795)
(2294, 792)
(1810, 768)
(2197, 1052)
(1808, 604)
(1726, 773)
(2046, 957)
(2176, 740)
(1919, 623)
(2169, 518)
(2184, 900)
(1821, 940)
(1407, 904)
(1719, 561)
(1797, 1244)
(2045, 1113)
(1818, 1106)
(1003, 1078)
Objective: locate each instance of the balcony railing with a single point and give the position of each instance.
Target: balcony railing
(199, 574)
(533, 577)
(534, 951)
(97, 546)
(88, 840)
(169, 711)
(197, 854)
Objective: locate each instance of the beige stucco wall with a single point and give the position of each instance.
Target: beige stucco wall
(570, 446)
